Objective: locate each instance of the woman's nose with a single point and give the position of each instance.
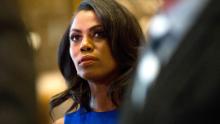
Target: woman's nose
(86, 45)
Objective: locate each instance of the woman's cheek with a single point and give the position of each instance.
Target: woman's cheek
(73, 53)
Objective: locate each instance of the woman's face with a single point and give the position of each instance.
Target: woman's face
(89, 49)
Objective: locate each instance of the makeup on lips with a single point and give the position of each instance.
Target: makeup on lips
(87, 60)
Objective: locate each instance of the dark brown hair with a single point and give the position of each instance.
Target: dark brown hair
(124, 37)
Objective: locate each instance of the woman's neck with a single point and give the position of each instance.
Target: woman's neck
(100, 101)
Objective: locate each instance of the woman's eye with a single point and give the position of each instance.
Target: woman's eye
(99, 34)
(96, 35)
(76, 38)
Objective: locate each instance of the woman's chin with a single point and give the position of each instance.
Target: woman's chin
(91, 77)
(88, 76)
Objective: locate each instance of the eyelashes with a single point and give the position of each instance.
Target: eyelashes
(75, 38)
(96, 35)
(99, 34)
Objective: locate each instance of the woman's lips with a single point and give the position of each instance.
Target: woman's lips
(87, 60)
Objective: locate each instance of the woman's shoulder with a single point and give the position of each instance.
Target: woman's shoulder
(59, 121)
(67, 115)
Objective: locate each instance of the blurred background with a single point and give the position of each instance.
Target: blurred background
(46, 21)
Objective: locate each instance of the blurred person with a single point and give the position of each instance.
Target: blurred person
(17, 76)
(182, 85)
(97, 57)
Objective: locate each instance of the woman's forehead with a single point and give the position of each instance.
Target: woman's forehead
(85, 19)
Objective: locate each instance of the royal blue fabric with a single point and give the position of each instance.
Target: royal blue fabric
(83, 117)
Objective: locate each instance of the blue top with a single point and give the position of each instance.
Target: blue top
(82, 116)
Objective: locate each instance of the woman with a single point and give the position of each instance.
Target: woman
(97, 56)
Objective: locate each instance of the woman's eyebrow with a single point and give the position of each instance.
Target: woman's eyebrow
(96, 27)
(76, 30)
(90, 29)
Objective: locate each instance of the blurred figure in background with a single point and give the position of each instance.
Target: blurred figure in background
(17, 75)
(177, 80)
